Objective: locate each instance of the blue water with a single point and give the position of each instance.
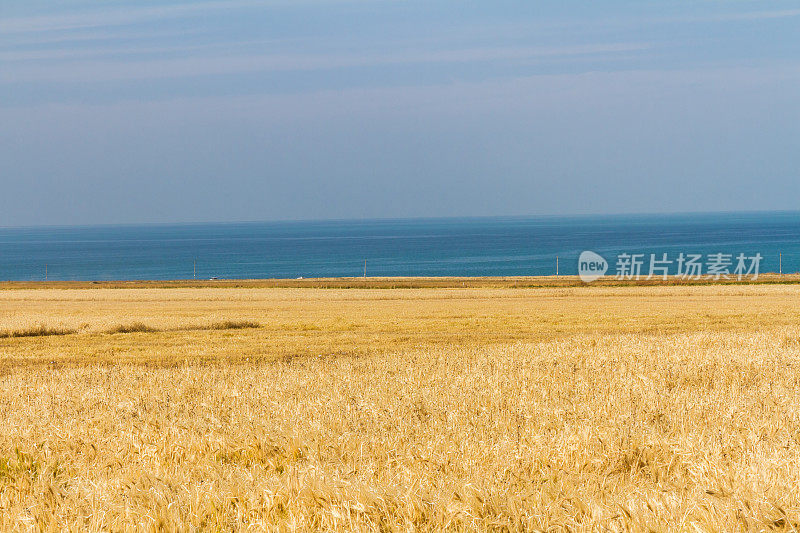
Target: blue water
(421, 247)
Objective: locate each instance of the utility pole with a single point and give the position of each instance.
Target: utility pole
(556, 265)
(45, 271)
(365, 269)
(780, 264)
(195, 268)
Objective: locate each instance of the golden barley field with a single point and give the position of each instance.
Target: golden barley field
(462, 408)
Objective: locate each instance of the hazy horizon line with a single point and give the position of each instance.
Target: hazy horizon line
(412, 218)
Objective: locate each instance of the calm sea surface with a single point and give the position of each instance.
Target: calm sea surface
(421, 247)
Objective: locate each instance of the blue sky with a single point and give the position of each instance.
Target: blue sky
(125, 112)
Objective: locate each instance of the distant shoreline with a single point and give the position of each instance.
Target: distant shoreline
(396, 283)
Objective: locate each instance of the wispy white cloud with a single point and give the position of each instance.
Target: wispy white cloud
(114, 17)
(507, 95)
(132, 15)
(204, 65)
(116, 51)
(105, 17)
(710, 17)
(63, 38)
(757, 15)
(625, 21)
(231, 63)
